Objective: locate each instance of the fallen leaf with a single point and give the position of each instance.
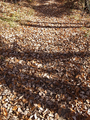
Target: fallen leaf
(14, 108)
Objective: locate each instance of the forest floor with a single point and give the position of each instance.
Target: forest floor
(44, 61)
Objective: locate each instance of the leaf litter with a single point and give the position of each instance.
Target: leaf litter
(44, 66)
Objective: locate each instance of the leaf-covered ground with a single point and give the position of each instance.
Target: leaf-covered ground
(44, 61)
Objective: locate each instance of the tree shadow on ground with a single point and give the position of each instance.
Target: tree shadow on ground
(55, 9)
(56, 83)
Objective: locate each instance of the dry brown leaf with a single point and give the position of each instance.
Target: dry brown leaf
(4, 112)
(10, 85)
(24, 100)
(14, 108)
(39, 105)
(32, 108)
(77, 90)
(1, 117)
